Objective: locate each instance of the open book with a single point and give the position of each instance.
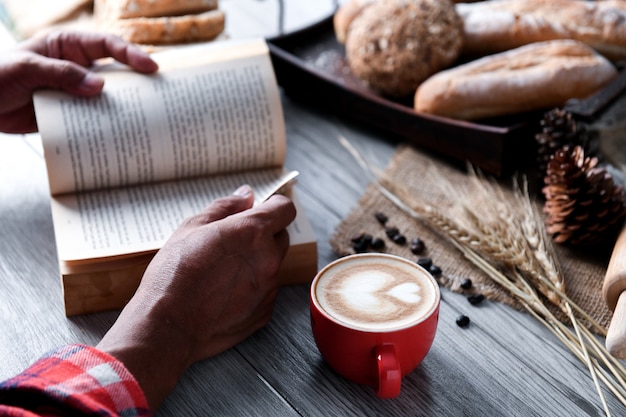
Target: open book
(126, 167)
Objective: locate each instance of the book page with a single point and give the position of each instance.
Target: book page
(209, 109)
(301, 239)
(108, 223)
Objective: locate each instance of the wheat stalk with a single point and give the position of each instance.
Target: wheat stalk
(510, 245)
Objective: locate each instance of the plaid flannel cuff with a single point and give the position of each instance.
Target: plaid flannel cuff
(77, 377)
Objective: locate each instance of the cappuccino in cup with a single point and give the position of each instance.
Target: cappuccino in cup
(374, 318)
(376, 294)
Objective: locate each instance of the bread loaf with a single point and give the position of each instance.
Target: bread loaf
(540, 75)
(127, 9)
(160, 22)
(171, 29)
(394, 45)
(498, 25)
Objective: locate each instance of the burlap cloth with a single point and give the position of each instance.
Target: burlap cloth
(583, 271)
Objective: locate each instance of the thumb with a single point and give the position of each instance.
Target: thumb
(64, 75)
(242, 199)
(246, 192)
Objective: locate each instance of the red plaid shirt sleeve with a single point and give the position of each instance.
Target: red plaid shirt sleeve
(73, 380)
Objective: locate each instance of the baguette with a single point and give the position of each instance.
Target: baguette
(498, 25)
(169, 29)
(541, 75)
(127, 9)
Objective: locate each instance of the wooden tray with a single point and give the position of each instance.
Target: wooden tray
(310, 66)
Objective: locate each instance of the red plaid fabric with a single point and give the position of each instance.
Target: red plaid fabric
(73, 380)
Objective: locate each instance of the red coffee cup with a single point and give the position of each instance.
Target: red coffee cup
(374, 318)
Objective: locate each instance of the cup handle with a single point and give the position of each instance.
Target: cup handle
(389, 372)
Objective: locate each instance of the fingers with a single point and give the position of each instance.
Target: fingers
(42, 72)
(85, 47)
(58, 60)
(279, 211)
(263, 230)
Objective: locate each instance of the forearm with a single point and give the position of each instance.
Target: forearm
(152, 350)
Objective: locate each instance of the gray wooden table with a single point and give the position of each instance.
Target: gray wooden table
(504, 364)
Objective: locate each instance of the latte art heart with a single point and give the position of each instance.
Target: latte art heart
(407, 292)
(378, 295)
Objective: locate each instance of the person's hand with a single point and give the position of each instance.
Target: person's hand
(58, 60)
(211, 286)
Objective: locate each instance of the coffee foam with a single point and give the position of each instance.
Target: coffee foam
(376, 292)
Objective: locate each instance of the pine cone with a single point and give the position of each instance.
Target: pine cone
(583, 203)
(560, 129)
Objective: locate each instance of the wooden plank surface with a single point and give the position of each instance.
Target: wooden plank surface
(504, 364)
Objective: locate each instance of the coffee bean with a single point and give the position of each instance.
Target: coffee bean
(425, 262)
(360, 246)
(381, 217)
(434, 270)
(357, 238)
(367, 238)
(391, 232)
(377, 243)
(466, 283)
(462, 320)
(475, 299)
(417, 246)
(399, 239)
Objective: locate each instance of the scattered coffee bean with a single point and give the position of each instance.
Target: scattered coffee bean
(381, 217)
(434, 270)
(399, 239)
(391, 232)
(462, 320)
(475, 299)
(360, 246)
(367, 238)
(377, 243)
(425, 262)
(417, 246)
(357, 238)
(466, 283)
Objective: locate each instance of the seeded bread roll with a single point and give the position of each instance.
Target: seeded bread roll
(541, 75)
(394, 45)
(169, 30)
(345, 14)
(347, 11)
(498, 25)
(126, 9)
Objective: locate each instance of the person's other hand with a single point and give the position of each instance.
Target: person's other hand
(211, 286)
(58, 60)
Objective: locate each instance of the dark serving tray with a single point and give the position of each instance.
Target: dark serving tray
(310, 66)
